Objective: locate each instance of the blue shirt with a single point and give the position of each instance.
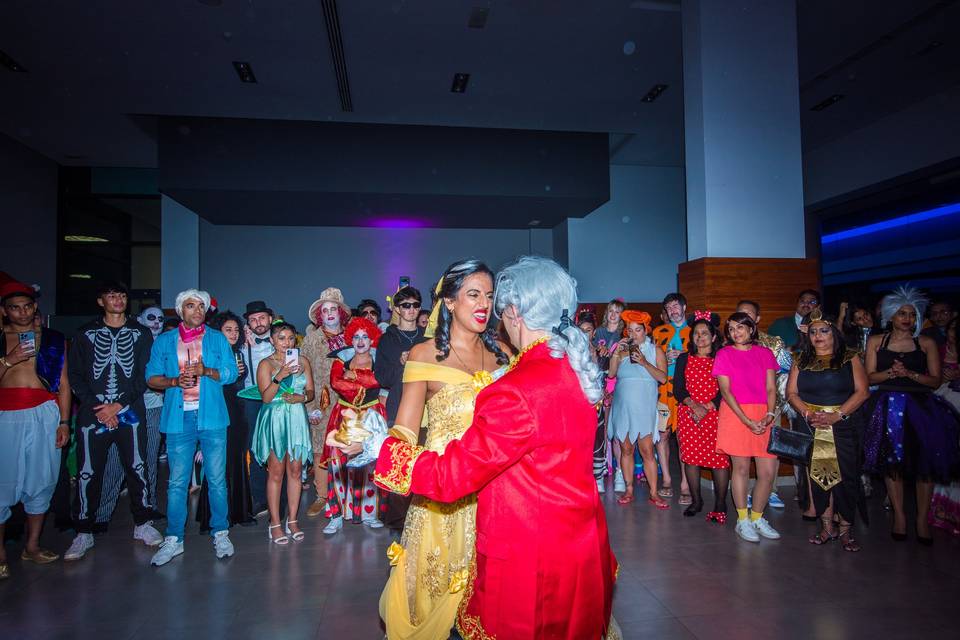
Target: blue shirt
(218, 355)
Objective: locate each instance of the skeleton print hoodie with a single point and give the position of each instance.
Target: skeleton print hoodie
(107, 365)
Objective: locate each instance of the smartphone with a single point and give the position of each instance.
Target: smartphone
(404, 282)
(292, 357)
(29, 341)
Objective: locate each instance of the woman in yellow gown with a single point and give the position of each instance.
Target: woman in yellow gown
(441, 380)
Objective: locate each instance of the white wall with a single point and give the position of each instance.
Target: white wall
(179, 247)
(631, 246)
(921, 135)
(289, 266)
(28, 203)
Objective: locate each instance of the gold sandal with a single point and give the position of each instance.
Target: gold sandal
(40, 556)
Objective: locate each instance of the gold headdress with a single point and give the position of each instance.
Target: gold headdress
(817, 316)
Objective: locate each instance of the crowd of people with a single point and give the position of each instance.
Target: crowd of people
(252, 413)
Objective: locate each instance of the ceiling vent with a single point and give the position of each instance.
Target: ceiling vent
(829, 102)
(332, 17)
(460, 81)
(245, 71)
(478, 17)
(654, 92)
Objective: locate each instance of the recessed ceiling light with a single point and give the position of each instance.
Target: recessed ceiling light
(11, 64)
(84, 239)
(460, 81)
(534, 223)
(654, 92)
(829, 102)
(245, 71)
(81, 276)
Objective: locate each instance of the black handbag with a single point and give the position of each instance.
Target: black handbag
(794, 445)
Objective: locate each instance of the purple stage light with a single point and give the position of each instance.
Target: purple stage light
(397, 223)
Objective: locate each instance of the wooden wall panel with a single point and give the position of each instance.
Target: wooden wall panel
(719, 283)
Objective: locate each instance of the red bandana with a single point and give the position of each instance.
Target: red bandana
(189, 335)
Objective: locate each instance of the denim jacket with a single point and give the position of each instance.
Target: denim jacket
(218, 355)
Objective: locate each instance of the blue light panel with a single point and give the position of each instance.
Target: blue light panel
(912, 218)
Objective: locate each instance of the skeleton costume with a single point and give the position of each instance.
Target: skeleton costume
(106, 366)
(113, 474)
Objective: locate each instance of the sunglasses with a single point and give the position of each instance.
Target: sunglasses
(409, 305)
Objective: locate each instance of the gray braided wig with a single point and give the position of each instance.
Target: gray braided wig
(542, 292)
(903, 296)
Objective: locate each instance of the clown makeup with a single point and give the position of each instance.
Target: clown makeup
(152, 318)
(330, 315)
(361, 342)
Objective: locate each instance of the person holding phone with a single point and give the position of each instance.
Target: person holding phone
(191, 365)
(640, 367)
(34, 417)
(281, 438)
(746, 374)
(109, 357)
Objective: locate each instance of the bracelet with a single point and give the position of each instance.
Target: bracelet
(274, 380)
(5, 363)
(770, 413)
(66, 422)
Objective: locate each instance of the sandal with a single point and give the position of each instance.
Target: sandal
(665, 492)
(627, 497)
(658, 503)
(825, 534)
(686, 498)
(281, 540)
(40, 556)
(298, 536)
(846, 540)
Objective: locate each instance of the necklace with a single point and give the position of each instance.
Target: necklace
(407, 337)
(465, 367)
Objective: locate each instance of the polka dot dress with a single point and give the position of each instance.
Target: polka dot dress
(698, 440)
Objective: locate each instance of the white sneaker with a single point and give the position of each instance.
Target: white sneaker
(171, 548)
(618, 484)
(763, 528)
(148, 534)
(601, 488)
(373, 523)
(334, 525)
(81, 544)
(747, 531)
(222, 544)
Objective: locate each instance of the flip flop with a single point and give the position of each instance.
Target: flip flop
(659, 504)
(625, 499)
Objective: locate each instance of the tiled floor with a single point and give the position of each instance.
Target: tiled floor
(680, 578)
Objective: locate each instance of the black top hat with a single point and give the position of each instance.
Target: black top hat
(257, 306)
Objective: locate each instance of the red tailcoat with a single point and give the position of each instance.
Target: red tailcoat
(544, 568)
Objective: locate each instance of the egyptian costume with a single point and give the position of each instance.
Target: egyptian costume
(835, 465)
(29, 418)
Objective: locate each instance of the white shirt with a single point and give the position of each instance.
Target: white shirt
(257, 352)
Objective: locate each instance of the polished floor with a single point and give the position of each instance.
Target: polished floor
(680, 578)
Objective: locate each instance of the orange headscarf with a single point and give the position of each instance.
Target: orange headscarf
(640, 317)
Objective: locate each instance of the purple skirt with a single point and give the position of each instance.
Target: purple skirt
(916, 435)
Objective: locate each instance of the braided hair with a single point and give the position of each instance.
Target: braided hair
(452, 282)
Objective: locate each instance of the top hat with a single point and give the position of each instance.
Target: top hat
(257, 306)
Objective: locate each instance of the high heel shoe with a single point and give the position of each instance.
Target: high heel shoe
(281, 540)
(298, 536)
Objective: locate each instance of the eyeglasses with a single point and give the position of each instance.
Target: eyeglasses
(409, 305)
(808, 301)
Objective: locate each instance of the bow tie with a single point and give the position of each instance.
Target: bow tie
(261, 340)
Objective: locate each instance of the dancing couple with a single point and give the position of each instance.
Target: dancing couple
(488, 547)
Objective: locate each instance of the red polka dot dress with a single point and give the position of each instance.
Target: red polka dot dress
(698, 440)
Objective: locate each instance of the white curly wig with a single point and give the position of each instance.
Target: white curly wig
(191, 294)
(904, 296)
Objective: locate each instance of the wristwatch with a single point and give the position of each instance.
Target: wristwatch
(843, 416)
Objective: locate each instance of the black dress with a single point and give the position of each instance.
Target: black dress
(826, 386)
(239, 502)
